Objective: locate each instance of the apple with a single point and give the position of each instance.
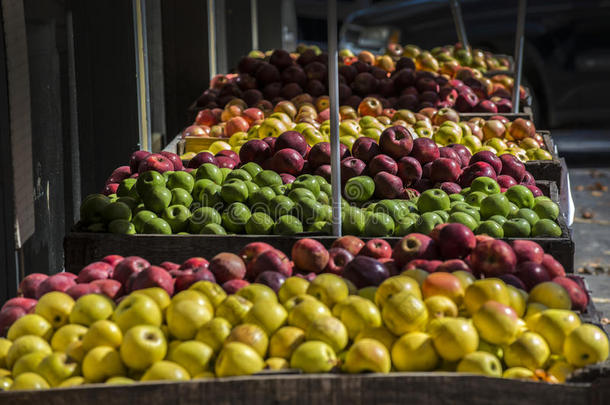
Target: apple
(493, 258)
(175, 159)
(471, 172)
(506, 182)
(425, 150)
(309, 255)
(396, 141)
(291, 140)
(365, 149)
(365, 271)
(153, 276)
(234, 285)
(193, 263)
(227, 266)
(319, 155)
(338, 258)
(27, 304)
(521, 129)
(78, 290)
(429, 266)
(94, 271)
(452, 265)
(112, 260)
(528, 179)
(30, 283)
(351, 167)
(119, 174)
(528, 251)
(350, 243)
(136, 158)
(578, 295)
(8, 316)
(252, 250)
(201, 158)
(287, 161)
(511, 279)
(142, 346)
(456, 241)
(377, 249)
(552, 266)
(271, 279)
(156, 162)
(531, 274)
(489, 158)
(269, 260)
(445, 170)
(382, 163)
(110, 288)
(409, 170)
(462, 152)
(414, 246)
(56, 282)
(184, 281)
(127, 267)
(225, 162)
(511, 166)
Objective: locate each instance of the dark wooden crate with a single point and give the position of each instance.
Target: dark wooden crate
(394, 388)
(546, 169)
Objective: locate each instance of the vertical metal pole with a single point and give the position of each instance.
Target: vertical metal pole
(460, 28)
(254, 23)
(333, 90)
(141, 45)
(74, 140)
(212, 37)
(519, 41)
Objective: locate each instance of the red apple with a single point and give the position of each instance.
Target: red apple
(234, 285)
(110, 288)
(201, 158)
(409, 170)
(387, 185)
(478, 169)
(291, 140)
(271, 279)
(184, 281)
(287, 178)
(287, 161)
(377, 249)
(225, 161)
(456, 241)
(113, 260)
(578, 295)
(194, 263)
(506, 181)
(169, 266)
(414, 246)
(227, 266)
(228, 154)
(252, 250)
(511, 279)
(552, 266)
(532, 274)
(269, 260)
(8, 316)
(320, 154)
(452, 265)
(489, 158)
(445, 170)
(450, 153)
(351, 167)
(128, 266)
(493, 258)
(528, 179)
(382, 163)
(153, 276)
(119, 174)
(365, 149)
(324, 171)
(95, 271)
(463, 153)
(255, 150)
(156, 162)
(425, 150)
(175, 159)
(338, 258)
(364, 271)
(535, 190)
(430, 266)
(56, 282)
(78, 290)
(309, 255)
(396, 141)
(350, 243)
(26, 303)
(136, 158)
(450, 188)
(513, 167)
(30, 283)
(528, 251)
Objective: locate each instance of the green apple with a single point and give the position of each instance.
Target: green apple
(141, 218)
(92, 207)
(260, 199)
(353, 221)
(520, 195)
(490, 228)
(199, 186)
(279, 189)
(464, 207)
(268, 178)
(252, 168)
(127, 188)
(432, 200)
(465, 191)
(157, 199)
(498, 219)
(209, 171)
(281, 205)
(307, 181)
(513, 209)
(516, 228)
(239, 174)
(157, 226)
(323, 227)
(202, 217)
(327, 188)
(546, 227)
(252, 187)
(167, 174)
(97, 227)
(464, 219)
(177, 216)
(213, 229)
(234, 190)
(132, 203)
(116, 210)
(447, 134)
(323, 198)
(321, 180)
(475, 198)
(485, 185)
(427, 222)
(541, 198)
(183, 180)
(287, 225)
(225, 171)
(122, 226)
(310, 211)
(472, 142)
(259, 224)
(181, 197)
(236, 215)
(495, 204)
(546, 209)
(391, 207)
(527, 214)
(456, 197)
(404, 227)
(327, 212)
(443, 214)
(379, 224)
(148, 180)
(211, 197)
(300, 194)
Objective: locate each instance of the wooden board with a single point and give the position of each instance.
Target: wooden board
(370, 389)
(549, 170)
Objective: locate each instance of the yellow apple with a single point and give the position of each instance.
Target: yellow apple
(532, 313)
(214, 333)
(328, 288)
(5, 345)
(394, 285)
(251, 335)
(55, 307)
(297, 299)
(24, 345)
(440, 306)
(554, 325)
(72, 382)
(66, 335)
(453, 337)
(518, 299)
(57, 367)
(329, 330)
(480, 363)
(102, 333)
(530, 350)
(186, 316)
(101, 363)
(380, 333)
(276, 363)
(269, 315)
(29, 381)
(414, 352)
(212, 291)
(367, 355)
(313, 356)
(561, 370)
(496, 323)
(166, 370)
(550, 294)
(357, 313)
(193, 356)
(158, 294)
(75, 350)
(90, 308)
(404, 313)
(137, 309)
(119, 380)
(586, 345)
(485, 290)
(465, 278)
(305, 312)
(519, 373)
(30, 324)
(292, 286)
(285, 340)
(234, 308)
(142, 346)
(238, 359)
(255, 292)
(28, 363)
(418, 275)
(5, 383)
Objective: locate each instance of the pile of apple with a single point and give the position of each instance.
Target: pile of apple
(239, 124)
(413, 81)
(359, 320)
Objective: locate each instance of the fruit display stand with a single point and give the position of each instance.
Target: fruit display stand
(428, 388)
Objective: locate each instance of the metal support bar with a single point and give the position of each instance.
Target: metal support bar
(212, 37)
(254, 23)
(333, 90)
(141, 45)
(460, 28)
(519, 41)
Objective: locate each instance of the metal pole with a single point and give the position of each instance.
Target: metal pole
(141, 45)
(333, 91)
(460, 28)
(212, 37)
(254, 23)
(519, 41)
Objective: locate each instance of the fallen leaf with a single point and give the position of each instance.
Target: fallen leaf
(588, 214)
(596, 193)
(580, 188)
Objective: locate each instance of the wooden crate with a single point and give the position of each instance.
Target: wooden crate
(395, 388)
(549, 170)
